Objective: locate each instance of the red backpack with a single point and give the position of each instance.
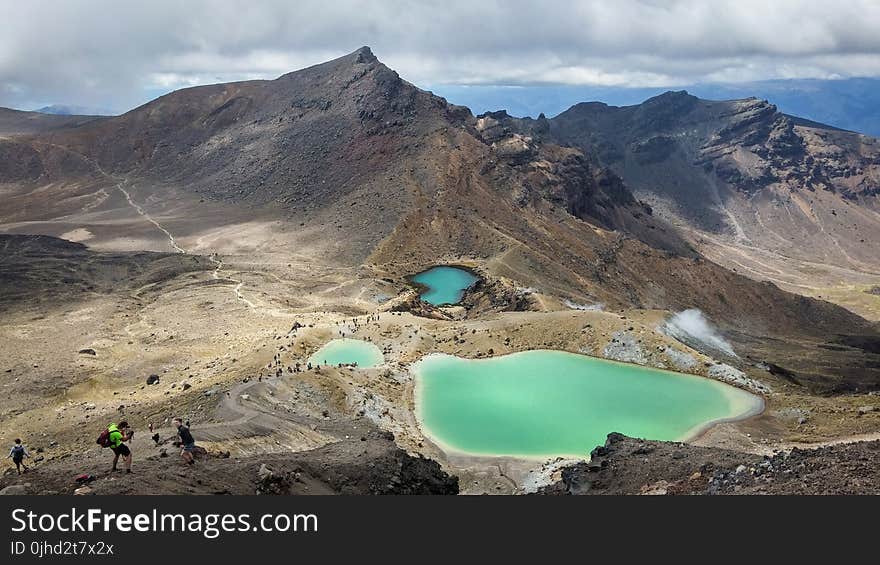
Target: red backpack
(104, 439)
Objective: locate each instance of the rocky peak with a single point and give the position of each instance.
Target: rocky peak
(499, 115)
(664, 112)
(671, 97)
(493, 126)
(757, 127)
(748, 119)
(348, 67)
(365, 55)
(586, 108)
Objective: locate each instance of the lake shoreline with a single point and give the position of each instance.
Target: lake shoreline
(367, 355)
(424, 289)
(744, 403)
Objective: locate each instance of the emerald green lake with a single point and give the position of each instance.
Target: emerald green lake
(348, 351)
(552, 403)
(444, 285)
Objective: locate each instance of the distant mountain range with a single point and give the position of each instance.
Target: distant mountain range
(70, 110)
(852, 104)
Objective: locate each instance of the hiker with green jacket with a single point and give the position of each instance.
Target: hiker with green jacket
(119, 434)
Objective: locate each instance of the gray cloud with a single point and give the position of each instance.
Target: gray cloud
(115, 54)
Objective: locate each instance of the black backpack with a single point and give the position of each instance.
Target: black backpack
(17, 452)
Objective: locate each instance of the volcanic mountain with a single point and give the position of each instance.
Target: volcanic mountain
(364, 170)
(772, 196)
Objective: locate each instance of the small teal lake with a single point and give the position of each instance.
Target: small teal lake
(444, 285)
(553, 403)
(347, 352)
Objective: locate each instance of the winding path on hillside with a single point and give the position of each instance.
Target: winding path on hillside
(243, 419)
(141, 211)
(213, 258)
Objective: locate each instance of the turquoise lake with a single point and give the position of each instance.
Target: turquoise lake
(552, 403)
(348, 351)
(444, 285)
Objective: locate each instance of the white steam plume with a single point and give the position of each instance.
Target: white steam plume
(692, 328)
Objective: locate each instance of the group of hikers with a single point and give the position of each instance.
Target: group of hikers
(115, 437)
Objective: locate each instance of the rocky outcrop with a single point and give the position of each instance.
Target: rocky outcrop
(733, 376)
(493, 295)
(625, 347)
(540, 169)
(627, 465)
(15, 490)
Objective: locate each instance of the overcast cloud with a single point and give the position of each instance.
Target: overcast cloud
(115, 54)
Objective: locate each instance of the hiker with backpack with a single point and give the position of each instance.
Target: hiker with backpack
(115, 437)
(18, 453)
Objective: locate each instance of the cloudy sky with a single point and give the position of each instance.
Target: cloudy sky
(115, 55)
